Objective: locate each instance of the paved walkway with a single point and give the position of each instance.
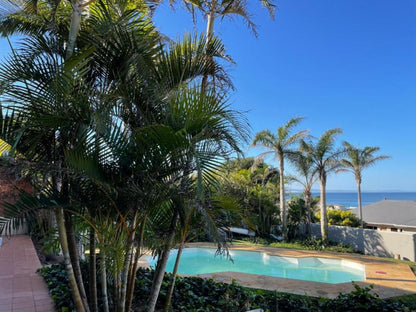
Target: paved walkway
(21, 288)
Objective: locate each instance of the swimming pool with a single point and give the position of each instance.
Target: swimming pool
(326, 270)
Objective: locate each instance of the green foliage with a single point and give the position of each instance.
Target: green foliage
(198, 294)
(254, 184)
(297, 214)
(407, 300)
(341, 217)
(315, 244)
(361, 299)
(51, 242)
(58, 284)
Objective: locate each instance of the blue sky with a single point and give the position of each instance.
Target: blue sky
(345, 63)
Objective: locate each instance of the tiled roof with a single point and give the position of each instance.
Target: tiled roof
(391, 212)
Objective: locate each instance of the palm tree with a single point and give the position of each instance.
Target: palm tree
(206, 131)
(280, 145)
(59, 109)
(49, 114)
(25, 16)
(305, 167)
(213, 10)
(324, 156)
(357, 160)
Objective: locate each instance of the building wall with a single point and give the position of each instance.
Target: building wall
(9, 190)
(390, 228)
(373, 242)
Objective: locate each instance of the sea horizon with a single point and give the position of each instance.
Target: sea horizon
(349, 199)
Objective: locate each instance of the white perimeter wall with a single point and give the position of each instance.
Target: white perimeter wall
(373, 242)
(15, 231)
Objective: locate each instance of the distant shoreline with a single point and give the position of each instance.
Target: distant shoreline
(349, 199)
(352, 191)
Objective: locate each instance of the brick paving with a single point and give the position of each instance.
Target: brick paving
(21, 288)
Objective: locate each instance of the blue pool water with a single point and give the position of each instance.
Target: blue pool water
(203, 260)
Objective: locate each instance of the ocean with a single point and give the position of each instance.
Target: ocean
(350, 199)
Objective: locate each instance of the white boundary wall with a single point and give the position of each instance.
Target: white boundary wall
(373, 242)
(23, 229)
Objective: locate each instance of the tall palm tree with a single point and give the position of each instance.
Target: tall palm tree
(206, 130)
(57, 105)
(356, 161)
(280, 145)
(305, 167)
(27, 15)
(49, 114)
(213, 10)
(325, 157)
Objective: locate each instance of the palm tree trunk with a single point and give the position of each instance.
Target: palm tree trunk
(116, 291)
(174, 274)
(104, 290)
(360, 207)
(93, 272)
(130, 289)
(210, 25)
(130, 274)
(68, 266)
(324, 221)
(73, 253)
(209, 35)
(121, 305)
(132, 279)
(282, 197)
(161, 266)
(307, 195)
(74, 27)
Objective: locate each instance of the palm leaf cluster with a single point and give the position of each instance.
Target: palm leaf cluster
(313, 160)
(117, 134)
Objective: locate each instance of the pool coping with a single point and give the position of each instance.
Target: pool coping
(389, 279)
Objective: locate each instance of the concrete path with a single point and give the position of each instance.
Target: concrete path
(21, 288)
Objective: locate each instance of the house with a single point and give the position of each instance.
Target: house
(391, 215)
(10, 186)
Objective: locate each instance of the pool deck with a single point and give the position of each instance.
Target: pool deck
(390, 279)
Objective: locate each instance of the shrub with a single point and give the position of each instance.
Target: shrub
(316, 244)
(341, 217)
(361, 300)
(58, 284)
(195, 294)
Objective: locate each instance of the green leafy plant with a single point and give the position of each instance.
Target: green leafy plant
(361, 299)
(198, 294)
(58, 284)
(313, 243)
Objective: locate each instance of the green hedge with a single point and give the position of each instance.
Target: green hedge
(197, 294)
